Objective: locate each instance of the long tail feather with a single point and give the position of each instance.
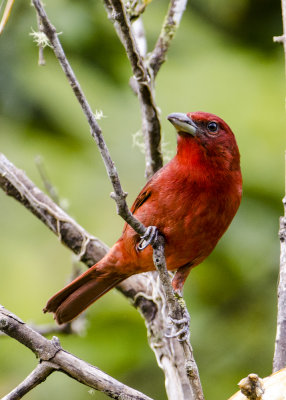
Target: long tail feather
(81, 293)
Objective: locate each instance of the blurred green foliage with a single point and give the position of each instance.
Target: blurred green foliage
(222, 61)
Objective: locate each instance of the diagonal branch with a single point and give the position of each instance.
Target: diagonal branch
(150, 115)
(119, 195)
(50, 351)
(16, 184)
(39, 375)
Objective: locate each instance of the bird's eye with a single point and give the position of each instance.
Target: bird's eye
(212, 127)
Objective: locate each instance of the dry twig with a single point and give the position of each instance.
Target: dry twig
(37, 376)
(53, 357)
(151, 127)
(171, 24)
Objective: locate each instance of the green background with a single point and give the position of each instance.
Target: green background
(222, 60)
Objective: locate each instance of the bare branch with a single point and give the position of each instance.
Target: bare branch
(169, 28)
(119, 195)
(49, 329)
(279, 360)
(39, 375)
(51, 351)
(150, 116)
(16, 184)
(178, 313)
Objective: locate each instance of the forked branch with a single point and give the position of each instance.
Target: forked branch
(151, 126)
(37, 376)
(119, 195)
(53, 357)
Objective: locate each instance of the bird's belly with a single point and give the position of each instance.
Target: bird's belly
(195, 235)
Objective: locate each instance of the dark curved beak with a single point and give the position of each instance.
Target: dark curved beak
(183, 123)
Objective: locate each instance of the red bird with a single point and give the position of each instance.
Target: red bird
(191, 200)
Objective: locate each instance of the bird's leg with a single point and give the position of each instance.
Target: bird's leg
(180, 278)
(149, 237)
(181, 321)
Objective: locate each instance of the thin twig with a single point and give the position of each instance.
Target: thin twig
(151, 126)
(119, 195)
(170, 26)
(51, 351)
(50, 189)
(39, 375)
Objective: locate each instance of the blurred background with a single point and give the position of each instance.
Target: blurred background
(222, 60)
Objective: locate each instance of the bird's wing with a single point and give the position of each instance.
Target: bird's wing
(141, 198)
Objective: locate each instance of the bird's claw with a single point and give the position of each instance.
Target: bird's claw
(180, 328)
(149, 237)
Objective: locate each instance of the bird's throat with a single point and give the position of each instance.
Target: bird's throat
(191, 151)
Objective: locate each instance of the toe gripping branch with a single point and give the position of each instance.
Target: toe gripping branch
(149, 237)
(180, 328)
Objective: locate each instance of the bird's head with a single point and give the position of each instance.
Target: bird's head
(205, 137)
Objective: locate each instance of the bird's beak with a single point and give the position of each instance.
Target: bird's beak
(183, 123)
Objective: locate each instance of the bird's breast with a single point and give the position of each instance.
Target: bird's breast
(191, 214)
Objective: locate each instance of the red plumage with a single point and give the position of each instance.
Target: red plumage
(191, 201)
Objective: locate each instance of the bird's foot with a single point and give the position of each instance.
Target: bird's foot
(180, 328)
(149, 237)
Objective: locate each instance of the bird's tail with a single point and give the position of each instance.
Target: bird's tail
(82, 292)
